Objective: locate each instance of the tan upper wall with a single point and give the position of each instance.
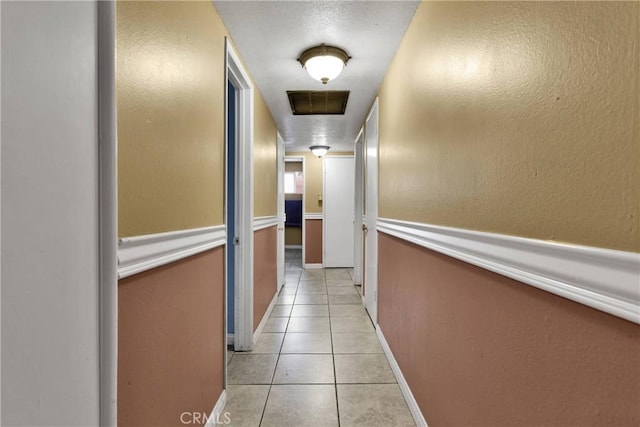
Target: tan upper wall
(313, 167)
(516, 118)
(293, 167)
(265, 160)
(170, 88)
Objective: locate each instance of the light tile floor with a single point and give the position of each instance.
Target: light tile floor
(318, 361)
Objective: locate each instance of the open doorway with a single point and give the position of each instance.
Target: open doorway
(239, 203)
(294, 212)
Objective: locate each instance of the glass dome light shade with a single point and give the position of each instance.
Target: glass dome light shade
(324, 68)
(319, 150)
(323, 62)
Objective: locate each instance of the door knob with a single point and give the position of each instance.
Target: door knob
(364, 227)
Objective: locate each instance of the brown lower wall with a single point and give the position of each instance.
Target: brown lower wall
(265, 271)
(313, 241)
(480, 349)
(171, 341)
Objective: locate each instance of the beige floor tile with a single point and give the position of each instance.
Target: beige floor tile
(285, 299)
(352, 324)
(312, 290)
(342, 290)
(372, 405)
(301, 405)
(308, 324)
(337, 274)
(347, 310)
(245, 404)
(268, 343)
(312, 275)
(311, 282)
(276, 324)
(230, 354)
(302, 299)
(310, 311)
(307, 342)
(356, 342)
(339, 282)
(251, 368)
(345, 299)
(304, 369)
(288, 291)
(292, 274)
(281, 310)
(363, 369)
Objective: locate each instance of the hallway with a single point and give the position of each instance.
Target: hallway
(318, 361)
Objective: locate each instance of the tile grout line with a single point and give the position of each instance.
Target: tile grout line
(264, 408)
(333, 356)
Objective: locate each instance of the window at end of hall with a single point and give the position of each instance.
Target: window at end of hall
(293, 183)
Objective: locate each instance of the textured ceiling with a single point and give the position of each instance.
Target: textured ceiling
(271, 34)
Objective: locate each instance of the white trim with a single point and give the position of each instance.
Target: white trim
(313, 215)
(371, 188)
(216, 413)
(358, 207)
(603, 279)
(280, 275)
(108, 211)
(230, 339)
(304, 186)
(243, 315)
(293, 246)
(263, 222)
(418, 418)
(312, 266)
(141, 253)
(266, 316)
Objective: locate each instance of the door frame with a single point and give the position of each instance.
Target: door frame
(243, 287)
(358, 250)
(288, 159)
(280, 211)
(108, 211)
(324, 194)
(371, 253)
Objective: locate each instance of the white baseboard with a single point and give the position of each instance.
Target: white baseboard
(293, 246)
(603, 279)
(418, 418)
(312, 266)
(263, 322)
(230, 339)
(216, 413)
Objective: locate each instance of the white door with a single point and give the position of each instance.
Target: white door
(339, 183)
(371, 234)
(358, 209)
(280, 255)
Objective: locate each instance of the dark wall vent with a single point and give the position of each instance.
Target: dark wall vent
(308, 102)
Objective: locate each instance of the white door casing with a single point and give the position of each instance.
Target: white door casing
(371, 234)
(358, 208)
(280, 255)
(243, 319)
(300, 159)
(338, 196)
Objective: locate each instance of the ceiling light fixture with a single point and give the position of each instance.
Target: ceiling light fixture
(319, 150)
(324, 62)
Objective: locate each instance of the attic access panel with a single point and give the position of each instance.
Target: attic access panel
(309, 102)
